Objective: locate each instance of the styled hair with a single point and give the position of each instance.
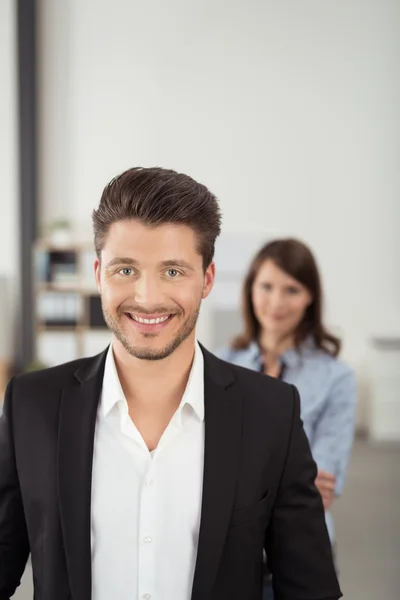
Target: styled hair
(297, 260)
(156, 196)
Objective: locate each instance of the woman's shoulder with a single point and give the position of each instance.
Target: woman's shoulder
(243, 357)
(334, 367)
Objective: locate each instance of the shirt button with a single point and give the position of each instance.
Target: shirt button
(148, 482)
(146, 596)
(147, 539)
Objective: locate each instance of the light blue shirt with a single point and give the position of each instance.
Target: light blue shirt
(328, 401)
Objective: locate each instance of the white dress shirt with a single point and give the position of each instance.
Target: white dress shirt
(145, 510)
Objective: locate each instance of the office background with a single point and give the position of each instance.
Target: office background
(288, 111)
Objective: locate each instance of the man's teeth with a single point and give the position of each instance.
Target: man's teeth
(149, 321)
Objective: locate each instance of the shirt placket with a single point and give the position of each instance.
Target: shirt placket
(147, 534)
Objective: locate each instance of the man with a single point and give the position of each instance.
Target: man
(156, 470)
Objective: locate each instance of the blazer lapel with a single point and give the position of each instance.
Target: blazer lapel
(75, 455)
(223, 429)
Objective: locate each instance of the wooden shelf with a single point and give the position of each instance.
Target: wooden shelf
(58, 328)
(81, 302)
(47, 246)
(70, 289)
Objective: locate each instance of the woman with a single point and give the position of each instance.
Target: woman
(284, 337)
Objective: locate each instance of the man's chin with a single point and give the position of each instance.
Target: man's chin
(149, 353)
(152, 350)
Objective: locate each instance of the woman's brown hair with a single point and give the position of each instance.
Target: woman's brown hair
(297, 260)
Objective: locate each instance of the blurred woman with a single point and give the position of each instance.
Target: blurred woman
(284, 336)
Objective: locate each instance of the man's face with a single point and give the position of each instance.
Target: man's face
(151, 281)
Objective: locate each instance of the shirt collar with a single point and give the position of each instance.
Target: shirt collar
(254, 355)
(193, 396)
(292, 358)
(194, 392)
(112, 390)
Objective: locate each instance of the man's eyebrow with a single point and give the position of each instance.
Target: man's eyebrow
(124, 260)
(177, 263)
(121, 261)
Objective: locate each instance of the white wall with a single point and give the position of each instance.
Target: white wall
(287, 110)
(9, 261)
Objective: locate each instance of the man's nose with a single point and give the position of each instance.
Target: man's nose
(148, 291)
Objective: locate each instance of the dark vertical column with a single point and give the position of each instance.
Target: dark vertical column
(28, 148)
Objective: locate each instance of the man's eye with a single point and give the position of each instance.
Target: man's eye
(126, 271)
(173, 273)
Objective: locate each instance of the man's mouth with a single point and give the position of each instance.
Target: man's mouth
(149, 320)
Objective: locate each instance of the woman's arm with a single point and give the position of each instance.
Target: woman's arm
(334, 431)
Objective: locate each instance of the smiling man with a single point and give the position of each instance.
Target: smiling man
(155, 470)
(166, 272)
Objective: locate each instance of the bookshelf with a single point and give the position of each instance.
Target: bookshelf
(69, 321)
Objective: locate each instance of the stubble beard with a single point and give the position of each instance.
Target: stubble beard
(143, 353)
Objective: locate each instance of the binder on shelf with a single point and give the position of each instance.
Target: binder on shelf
(96, 318)
(57, 309)
(69, 317)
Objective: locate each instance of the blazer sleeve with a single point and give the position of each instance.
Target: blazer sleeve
(296, 543)
(14, 544)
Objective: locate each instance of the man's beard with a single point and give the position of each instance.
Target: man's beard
(143, 353)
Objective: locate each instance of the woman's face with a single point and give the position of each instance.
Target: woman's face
(279, 301)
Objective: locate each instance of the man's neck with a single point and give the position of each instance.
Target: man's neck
(155, 384)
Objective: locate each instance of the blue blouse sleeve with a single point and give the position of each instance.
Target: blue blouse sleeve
(334, 431)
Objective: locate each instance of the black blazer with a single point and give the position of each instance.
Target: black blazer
(258, 487)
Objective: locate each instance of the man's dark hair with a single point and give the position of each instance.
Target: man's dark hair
(156, 196)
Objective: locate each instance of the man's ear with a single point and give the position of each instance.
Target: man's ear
(97, 269)
(209, 277)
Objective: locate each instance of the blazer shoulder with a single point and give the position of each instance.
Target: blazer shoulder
(267, 402)
(261, 383)
(260, 390)
(53, 377)
(38, 394)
